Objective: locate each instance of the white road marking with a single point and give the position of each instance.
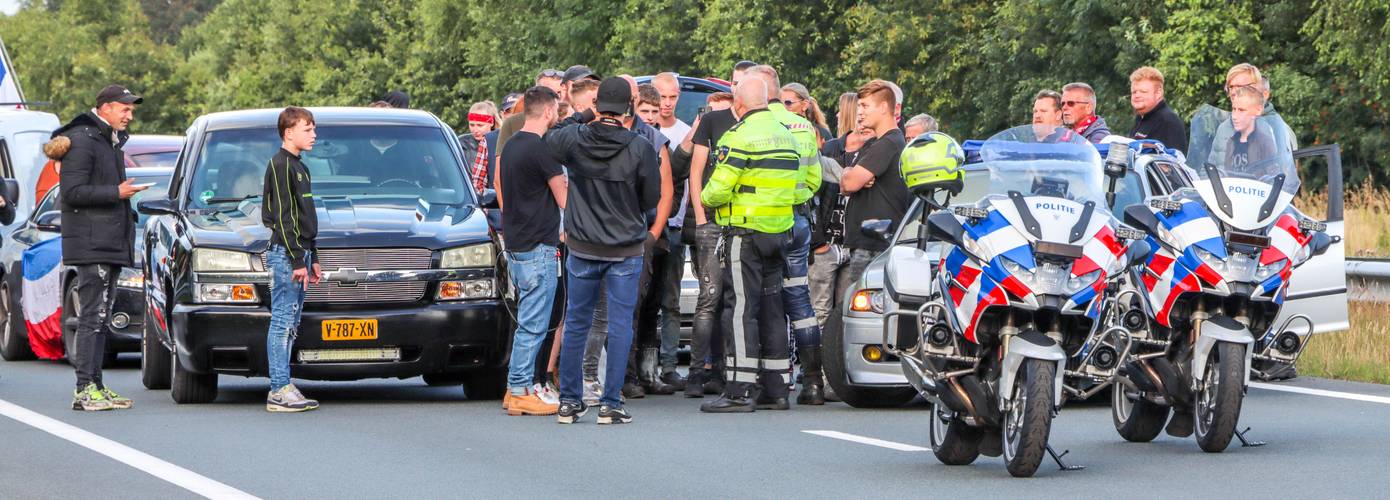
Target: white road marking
(867, 440)
(1319, 392)
(179, 476)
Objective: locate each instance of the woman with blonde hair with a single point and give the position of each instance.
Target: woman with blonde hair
(844, 114)
(798, 100)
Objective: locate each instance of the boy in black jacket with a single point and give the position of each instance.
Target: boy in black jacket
(287, 209)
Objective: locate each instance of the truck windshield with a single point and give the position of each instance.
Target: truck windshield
(360, 162)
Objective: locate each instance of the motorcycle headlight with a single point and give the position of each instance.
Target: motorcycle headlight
(131, 278)
(480, 255)
(1077, 283)
(1264, 272)
(209, 259)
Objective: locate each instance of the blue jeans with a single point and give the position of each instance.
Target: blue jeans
(535, 275)
(796, 286)
(620, 279)
(286, 306)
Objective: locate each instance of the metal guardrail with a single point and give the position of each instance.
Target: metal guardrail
(1368, 280)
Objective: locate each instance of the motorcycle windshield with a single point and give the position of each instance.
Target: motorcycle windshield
(1244, 163)
(1057, 165)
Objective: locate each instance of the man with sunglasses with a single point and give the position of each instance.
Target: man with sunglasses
(1079, 112)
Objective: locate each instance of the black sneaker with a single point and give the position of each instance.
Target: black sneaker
(728, 404)
(695, 383)
(674, 380)
(608, 415)
(771, 403)
(571, 411)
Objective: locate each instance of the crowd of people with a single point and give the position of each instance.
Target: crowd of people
(601, 174)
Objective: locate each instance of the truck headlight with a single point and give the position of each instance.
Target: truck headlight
(480, 255)
(466, 290)
(131, 277)
(211, 259)
(224, 293)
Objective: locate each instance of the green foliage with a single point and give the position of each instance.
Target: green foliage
(973, 65)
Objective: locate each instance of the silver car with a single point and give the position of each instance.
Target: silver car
(864, 374)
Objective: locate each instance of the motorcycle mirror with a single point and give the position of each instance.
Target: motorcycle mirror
(1319, 243)
(1137, 252)
(1140, 216)
(944, 226)
(879, 229)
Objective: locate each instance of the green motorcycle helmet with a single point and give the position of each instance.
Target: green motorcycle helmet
(932, 162)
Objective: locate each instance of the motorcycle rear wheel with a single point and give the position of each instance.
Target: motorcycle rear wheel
(952, 440)
(1028, 420)
(1138, 420)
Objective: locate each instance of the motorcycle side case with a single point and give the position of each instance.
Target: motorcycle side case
(1031, 344)
(1220, 329)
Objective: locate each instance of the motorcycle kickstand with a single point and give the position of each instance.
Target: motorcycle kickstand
(1244, 443)
(1058, 458)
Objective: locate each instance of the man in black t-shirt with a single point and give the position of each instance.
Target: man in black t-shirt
(876, 190)
(705, 339)
(532, 193)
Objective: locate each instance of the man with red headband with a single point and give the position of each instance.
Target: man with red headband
(477, 146)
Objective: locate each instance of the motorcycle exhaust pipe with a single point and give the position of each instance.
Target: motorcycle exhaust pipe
(1173, 388)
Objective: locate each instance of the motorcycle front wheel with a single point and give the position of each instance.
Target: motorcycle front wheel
(952, 440)
(1219, 397)
(1028, 420)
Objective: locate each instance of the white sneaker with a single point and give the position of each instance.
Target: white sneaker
(547, 394)
(593, 390)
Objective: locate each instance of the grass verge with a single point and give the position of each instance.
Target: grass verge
(1361, 354)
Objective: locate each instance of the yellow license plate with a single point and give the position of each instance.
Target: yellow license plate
(349, 329)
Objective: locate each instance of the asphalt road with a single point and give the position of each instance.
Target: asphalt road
(394, 439)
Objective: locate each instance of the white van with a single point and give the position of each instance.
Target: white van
(22, 136)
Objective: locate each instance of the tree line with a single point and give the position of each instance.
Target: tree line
(975, 65)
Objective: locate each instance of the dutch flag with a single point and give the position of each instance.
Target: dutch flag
(10, 93)
(42, 299)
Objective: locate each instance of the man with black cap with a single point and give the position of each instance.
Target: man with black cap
(574, 74)
(98, 229)
(614, 180)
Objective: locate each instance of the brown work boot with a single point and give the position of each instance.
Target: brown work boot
(530, 404)
(506, 399)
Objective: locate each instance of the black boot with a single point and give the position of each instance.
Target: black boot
(771, 393)
(714, 380)
(813, 383)
(695, 383)
(650, 373)
(632, 387)
(734, 400)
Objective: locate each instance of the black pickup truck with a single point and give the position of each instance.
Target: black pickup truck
(412, 284)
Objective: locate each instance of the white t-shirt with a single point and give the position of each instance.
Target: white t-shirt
(676, 133)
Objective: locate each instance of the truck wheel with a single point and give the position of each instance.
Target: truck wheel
(154, 360)
(190, 388)
(1138, 420)
(952, 440)
(1219, 397)
(1028, 420)
(14, 343)
(485, 385)
(833, 342)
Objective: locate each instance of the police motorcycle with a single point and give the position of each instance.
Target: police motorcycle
(1201, 304)
(1013, 303)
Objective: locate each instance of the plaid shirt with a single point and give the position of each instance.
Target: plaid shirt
(479, 171)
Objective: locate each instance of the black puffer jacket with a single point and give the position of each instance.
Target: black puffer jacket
(614, 179)
(98, 226)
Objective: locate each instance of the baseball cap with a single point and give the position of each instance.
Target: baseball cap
(117, 93)
(614, 96)
(578, 72)
(510, 101)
